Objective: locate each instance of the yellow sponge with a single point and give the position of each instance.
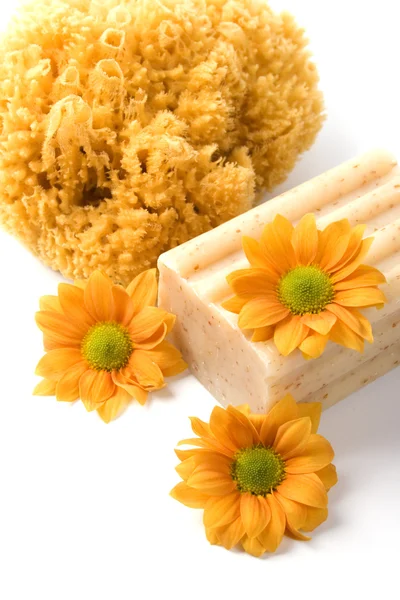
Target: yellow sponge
(127, 128)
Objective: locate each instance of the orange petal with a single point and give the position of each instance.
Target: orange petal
(255, 514)
(113, 407)
(143, 290)
(168, 358)
(313, 411)
(95, 387)
(343, 335)
(272, 535)
(145, 371)
(58, 329)
(353, 319)
(350, 266)
(222, 510)
(54, 364)
(305, 240)
(285, 410)
(230, 535)
(98, 297)
(236, 303)
(200, 428)
(229, 430)
(354, 246)
(255, 256)
(321, 323)
(315, 516)
(45, 387)
(328, 476)
(361, 297)
(363, 276)
(244, 419)
(50, 303)
(306, 489)
(213, 482)
(145, 324)
(289, 334)
(123, 305)
(186, 468)
(253, 546)
(333, 243)
(296, 513)
(263, 334)
(292, 437)
(316, 455)
(276, 245)
(314, 345)
(255, 282)
(188, 496)
(212, 537)
(131, 386)
(73, 306)
(261, 312)
(67, 389)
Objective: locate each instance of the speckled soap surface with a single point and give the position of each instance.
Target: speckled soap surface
(234, 369)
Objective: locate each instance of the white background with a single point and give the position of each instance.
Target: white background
(84, 507)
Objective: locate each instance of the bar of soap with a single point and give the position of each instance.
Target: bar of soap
(236, 370)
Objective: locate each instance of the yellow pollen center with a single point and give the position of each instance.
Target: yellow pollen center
(305, 289)
(107, 346)
(257, 470)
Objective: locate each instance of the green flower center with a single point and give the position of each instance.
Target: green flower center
(107, 346)
(258, 470)
(305, 290)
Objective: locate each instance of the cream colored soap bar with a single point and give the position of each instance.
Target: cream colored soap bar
(236, 370)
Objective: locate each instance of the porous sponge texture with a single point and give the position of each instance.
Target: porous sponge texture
(127, 128)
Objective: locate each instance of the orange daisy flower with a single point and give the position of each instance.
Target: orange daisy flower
(306, 286)
(257, 477)
(105, 345)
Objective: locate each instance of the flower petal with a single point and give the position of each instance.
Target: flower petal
(361, 297)
(263, 334)
(54, 364)
(314, 345)
(67, 389)
(333, 243)
(230, 430)
(313, 411)
(73, 306)
(289, 334)
(316, 455)
(230, 535)
(123, 306)
(46, 387)
(95, 387)
(255, 513)
(256, 257)
(50, 303)
(328, 476)
(222, 510)
(296, 513)
(212, 479)
(353, 319)
(145, 370)
(292, 437)
(348, 268)
(276, 245)
(112, 408)
(272, 535)
(283, 411)
(306, 489)
(168, 358)
(260, 312)
(98, 297)
(58, 329)
(305, 240)
(186, 468)
(321, 323)
(253, 546)
(315, 516)
(363, 276)
(143, 290)
(354, 246)
(188, 496)
(236, 303)
(146, 323)
(343, 335)
(255, 282)
(244, 419)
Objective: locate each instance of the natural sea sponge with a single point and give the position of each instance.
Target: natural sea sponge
(127, 128)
